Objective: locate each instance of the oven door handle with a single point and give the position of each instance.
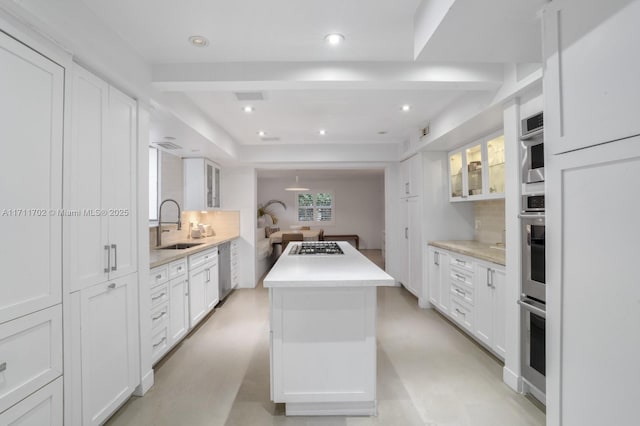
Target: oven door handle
(524, 215)
(528, 307)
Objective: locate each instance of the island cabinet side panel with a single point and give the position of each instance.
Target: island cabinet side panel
(323, 344)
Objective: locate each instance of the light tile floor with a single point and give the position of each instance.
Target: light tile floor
(429, 373)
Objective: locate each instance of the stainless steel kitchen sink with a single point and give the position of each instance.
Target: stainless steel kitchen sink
(179, 246)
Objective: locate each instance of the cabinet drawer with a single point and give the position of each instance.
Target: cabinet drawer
(159, 295)
(159, 316)
(462, 263)
(158, 275)
(30, 354)
(461, 279)
(159, 344)
(177, 268)
(461, 293)
(203, 258)
(43, 408)
(462, 314)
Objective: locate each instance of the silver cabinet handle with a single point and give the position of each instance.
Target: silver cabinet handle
(488, 277)
(115, 257)
(3, 367)
(460, 277)
(460, 262)
(160, 342)
(179, 268)
(160, 296)
(436, 258)
(112, 286)
(406, 233)
(158, 276)
(491, 277)
(528, 307)
(106, 247)
(406, 187)
(460, 292)
(460, 312)
(159, 316)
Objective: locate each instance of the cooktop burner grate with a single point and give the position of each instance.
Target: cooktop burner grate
(315, 248)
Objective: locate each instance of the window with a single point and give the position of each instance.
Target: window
(315, 207)
(153, 184)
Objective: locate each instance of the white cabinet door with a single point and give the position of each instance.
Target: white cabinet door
(119, 183)
(445, 286)
(411, 176)
(403, 272)
(499, 283)
(415, 247)
(31, 108)
(201, 184)
(178, 309)
(197, 285)
(211, 288)
(86, 234)
(43, 408)
(101, 183)
(592, 285)
(483, 305)
(434, 277)
(110, 347)
(592, 63)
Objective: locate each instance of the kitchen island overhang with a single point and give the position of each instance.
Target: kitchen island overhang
(323, 332)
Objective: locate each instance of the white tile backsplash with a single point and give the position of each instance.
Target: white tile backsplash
(490, 214)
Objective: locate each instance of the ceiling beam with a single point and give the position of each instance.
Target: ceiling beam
(426, 21)
(238, 76)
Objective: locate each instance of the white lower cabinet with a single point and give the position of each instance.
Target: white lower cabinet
(472, 293)
(109, 347)
(30, 354)
(43, 408)
(439, 278)
(490, 312)
(235, 269)
(178, 308)
(203, 284)
(169, 307)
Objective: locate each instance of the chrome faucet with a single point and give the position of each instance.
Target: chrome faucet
(159, 231)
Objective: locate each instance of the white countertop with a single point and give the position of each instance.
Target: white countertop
(351, 269)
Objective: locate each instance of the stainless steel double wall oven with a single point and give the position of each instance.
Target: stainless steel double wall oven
(533, 231)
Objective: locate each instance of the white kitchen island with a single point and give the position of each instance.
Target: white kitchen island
(323, 332)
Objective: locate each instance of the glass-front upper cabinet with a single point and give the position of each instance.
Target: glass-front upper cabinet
(455, 175)
(476, 171)
(495, 160)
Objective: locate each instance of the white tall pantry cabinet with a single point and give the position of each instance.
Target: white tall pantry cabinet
(411, 215)
(101, 250)
(31, 121)
(592, 166)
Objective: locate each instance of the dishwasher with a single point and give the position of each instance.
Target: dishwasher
(224, 270)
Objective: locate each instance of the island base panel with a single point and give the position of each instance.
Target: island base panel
(367, 408)
(323, 348)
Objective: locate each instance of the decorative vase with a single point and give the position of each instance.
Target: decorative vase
(262, 222)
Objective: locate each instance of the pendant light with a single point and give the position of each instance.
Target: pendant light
(296, 187)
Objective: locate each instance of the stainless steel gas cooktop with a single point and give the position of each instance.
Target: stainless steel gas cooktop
(315, 248)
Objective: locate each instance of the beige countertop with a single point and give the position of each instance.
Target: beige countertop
(160, 257)
(475, 249)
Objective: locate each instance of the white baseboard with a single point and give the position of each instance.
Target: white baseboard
(424, 303)
(512, 379)
(147, 383)
(355, 408)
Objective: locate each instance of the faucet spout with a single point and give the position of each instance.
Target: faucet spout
(160, 222)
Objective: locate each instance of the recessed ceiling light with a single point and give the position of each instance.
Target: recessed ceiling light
(198, 41)
(334, 39)
(248, 108)
(406, 108)
(322, 132)
(262, 133)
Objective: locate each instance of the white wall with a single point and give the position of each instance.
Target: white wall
(359, 205)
